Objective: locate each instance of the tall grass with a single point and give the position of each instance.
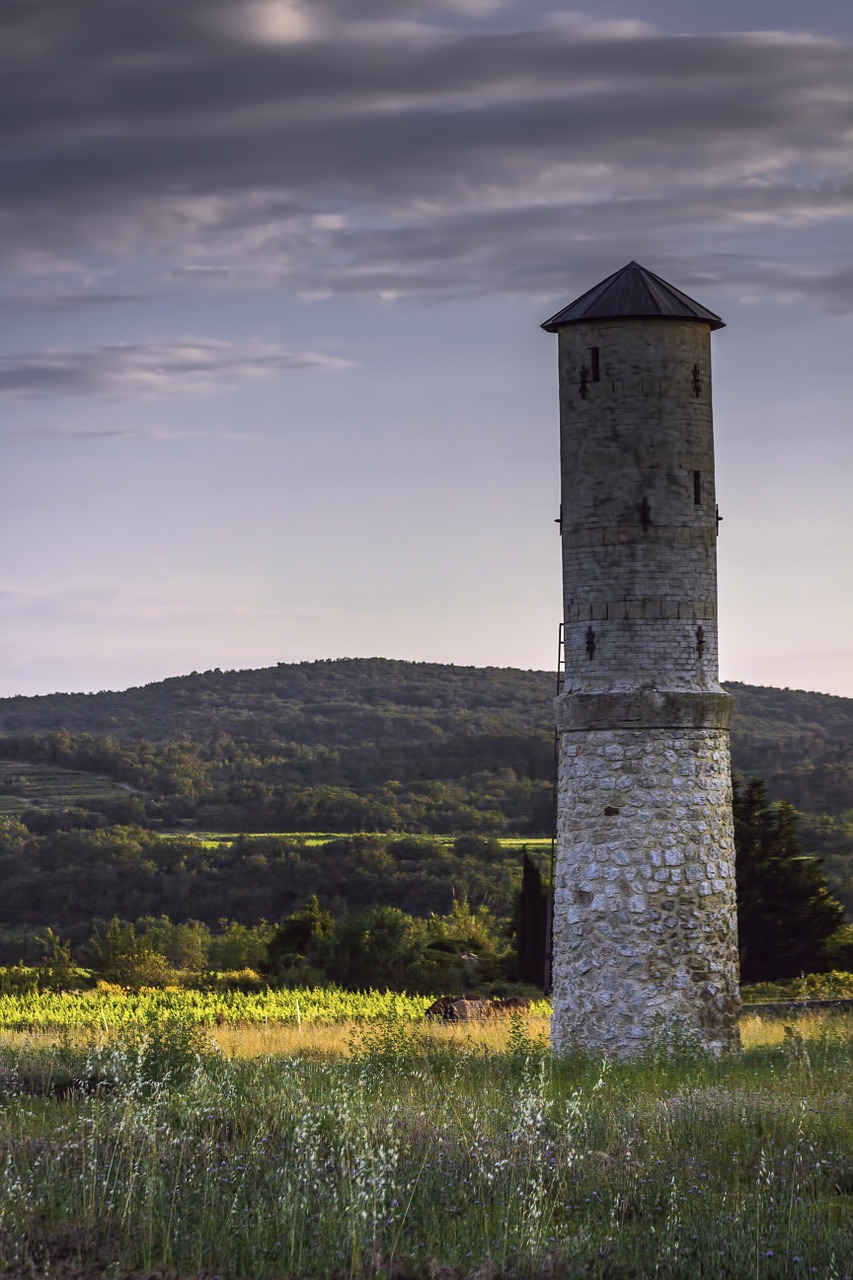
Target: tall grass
(422, 1154)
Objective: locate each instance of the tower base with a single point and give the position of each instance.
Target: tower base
(645, 917)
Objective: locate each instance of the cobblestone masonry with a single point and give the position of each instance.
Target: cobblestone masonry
(645, 941)
(645, 895)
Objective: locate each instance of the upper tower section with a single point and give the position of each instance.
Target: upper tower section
(638, 515)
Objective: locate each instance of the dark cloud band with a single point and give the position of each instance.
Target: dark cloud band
(320, 153)
(150, 370)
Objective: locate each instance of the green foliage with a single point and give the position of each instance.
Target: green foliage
(838, 948)
(238, 946)
(57, 969)
(119, 956)
(39, 792)
(185, 947)
(786, 913)
(19, 980)
(111, 1008)
(352, 746)
(234, 980)
(386, 948)
(164, 1049)
(834, 985)
(344, 746)
(68, 879)
(327, 704)
(380, 947)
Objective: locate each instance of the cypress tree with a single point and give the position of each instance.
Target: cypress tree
(786, 911)
(531, 925)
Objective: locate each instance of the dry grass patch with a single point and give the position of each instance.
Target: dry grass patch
(326, 1041)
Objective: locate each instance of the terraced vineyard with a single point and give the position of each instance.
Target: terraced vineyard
(47, 787)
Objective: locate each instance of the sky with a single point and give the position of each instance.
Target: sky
(272, 382)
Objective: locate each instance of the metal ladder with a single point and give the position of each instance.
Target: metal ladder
(549, 928)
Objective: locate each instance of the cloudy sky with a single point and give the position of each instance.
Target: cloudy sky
(272, 383)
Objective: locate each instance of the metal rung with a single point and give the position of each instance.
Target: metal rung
(549, 927)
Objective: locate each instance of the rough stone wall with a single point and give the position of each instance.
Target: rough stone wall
(644, 942)
(639, 552)
(644, 905)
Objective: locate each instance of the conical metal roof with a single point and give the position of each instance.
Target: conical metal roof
(632, 293)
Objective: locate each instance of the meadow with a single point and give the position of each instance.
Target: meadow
(373, 1145)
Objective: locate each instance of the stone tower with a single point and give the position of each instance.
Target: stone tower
(645, 928)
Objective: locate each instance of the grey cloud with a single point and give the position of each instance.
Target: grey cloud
(439, 148)
(831, 290)
(139, 433)
(147, 370)
(553, 248)
(236, 91)
(71, 301)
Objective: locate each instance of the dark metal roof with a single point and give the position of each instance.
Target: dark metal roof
(632, 293)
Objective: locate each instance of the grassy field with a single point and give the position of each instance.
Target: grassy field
(387, 1148)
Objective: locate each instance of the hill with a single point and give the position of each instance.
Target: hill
(800, 742)
(346, 702)
(376, 744)
(456, 754)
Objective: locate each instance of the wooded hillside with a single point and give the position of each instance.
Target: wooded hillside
(801, 743)
(379, 745)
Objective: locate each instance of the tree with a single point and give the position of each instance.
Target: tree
(531, 925)
(240, 946)
(465, 948)
(785, 909)
(57, 968)
(297, 945)
(119, 956)
(381, 947)
(184, 946)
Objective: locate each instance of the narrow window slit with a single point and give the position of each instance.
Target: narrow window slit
(594, 364)
(697, 488)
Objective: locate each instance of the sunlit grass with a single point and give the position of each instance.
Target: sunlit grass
(496, 1034)
(769, 1031)
(326, 1040)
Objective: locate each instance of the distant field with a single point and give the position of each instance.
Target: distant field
(25, 786)
(211, 839)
